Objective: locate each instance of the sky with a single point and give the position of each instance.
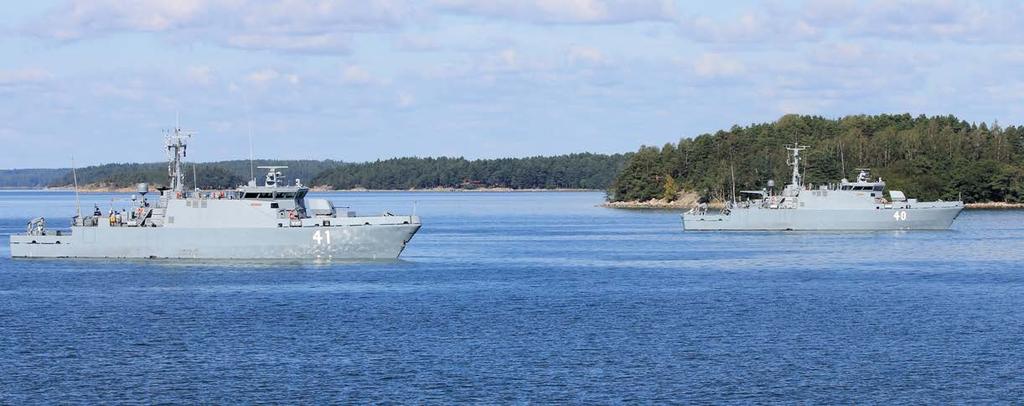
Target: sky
(361, 80)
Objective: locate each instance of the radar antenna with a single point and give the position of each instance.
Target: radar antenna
(794, 161)
(272, 174)
(177, 144)
(863, 174)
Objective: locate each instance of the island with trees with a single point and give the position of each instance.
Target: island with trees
(927, 157)
(585, 171)
(930, 158)
(573, 171)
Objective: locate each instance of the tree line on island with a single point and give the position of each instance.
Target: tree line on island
(211, 175)
(928, 158)
(573, 171)
(940, 157)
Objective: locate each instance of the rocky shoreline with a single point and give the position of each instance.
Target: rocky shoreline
(687, 205)
(111, 189)
(660, 204)
(994, 206)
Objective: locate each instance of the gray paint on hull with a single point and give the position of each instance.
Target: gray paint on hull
(938, 218)
(344, 242)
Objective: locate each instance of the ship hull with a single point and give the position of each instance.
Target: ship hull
(369, 242)
(756, 219)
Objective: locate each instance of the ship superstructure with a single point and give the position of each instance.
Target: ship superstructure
(275, 220)
(857, 205)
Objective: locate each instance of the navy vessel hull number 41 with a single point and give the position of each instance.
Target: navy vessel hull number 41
(275, 220)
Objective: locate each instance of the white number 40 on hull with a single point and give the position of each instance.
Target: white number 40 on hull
(899, 215)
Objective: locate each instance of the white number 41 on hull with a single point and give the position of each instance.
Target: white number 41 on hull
(325, 238)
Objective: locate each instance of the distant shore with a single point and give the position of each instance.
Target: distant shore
(994, 206)
(687, 205)
(106, 189)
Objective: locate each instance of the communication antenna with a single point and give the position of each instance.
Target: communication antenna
(842, 158)
(195, 183)
(732, 171)
(248, 119)
(177, 143)
(795, 163)
(252, 169)
(74, 175)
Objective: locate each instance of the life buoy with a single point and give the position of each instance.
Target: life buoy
(292, 215)
(138, 212)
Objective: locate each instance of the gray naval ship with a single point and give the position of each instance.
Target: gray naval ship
(858, 205)
(269, 221)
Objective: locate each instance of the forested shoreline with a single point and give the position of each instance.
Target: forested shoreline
(573, 171)
(939, 157)
(30, 178)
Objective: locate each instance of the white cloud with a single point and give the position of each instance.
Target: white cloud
(9, 134)
(23, 76)
(927, 20)
(201, 75)
(710, 65)
(406, 100)
(754, 26)
(840, 54)
(417, 43)
(1012, 92)
(132, 89)
(565, 11)
(316, 26)
(507, 59)
(80, 18)
(356, 75)
(899, 20)
(312, 43)
(262, 76)
(581, 55)
(503, 65)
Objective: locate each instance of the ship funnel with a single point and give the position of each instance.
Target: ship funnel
(142, 188)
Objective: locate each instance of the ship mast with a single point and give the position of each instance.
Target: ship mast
(795, 163)
(177, 143)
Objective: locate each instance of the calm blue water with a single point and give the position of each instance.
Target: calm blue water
(529, 297)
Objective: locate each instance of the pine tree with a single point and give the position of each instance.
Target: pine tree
(671, 189)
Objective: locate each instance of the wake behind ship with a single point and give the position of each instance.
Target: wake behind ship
(272, 221)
